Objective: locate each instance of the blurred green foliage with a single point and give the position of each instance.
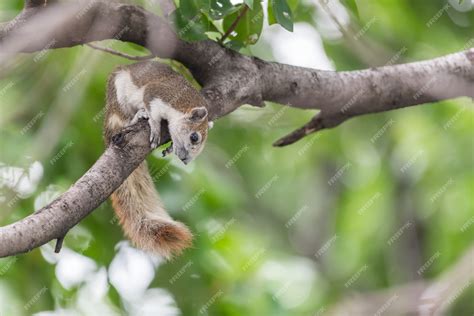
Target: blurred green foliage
(277, 231)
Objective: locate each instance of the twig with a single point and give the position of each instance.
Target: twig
(35, 3)
(120, 54)
(234, 24)
(59, 244)
(363, 52)
(316, 124)
(167, 7)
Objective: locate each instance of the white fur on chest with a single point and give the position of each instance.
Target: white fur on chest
(161, 110)
(129, 96)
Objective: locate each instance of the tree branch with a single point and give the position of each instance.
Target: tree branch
(342, 95)
(229, 79)
(120, 54)
(129, 149)
(423, 298)
(37, 3)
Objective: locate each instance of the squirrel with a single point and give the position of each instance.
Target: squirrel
(153, 91)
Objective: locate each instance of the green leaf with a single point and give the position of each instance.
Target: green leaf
(250, 26)
(301, 11)
(279, 12)
(189, 8)
(235, 45)
(249, 3)
(294, 4)
(191, 23)
(217, 9)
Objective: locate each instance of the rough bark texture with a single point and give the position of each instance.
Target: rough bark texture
(229, 80)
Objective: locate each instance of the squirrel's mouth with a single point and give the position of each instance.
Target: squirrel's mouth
(183, 155)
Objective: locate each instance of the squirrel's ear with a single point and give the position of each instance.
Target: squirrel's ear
(198, 114)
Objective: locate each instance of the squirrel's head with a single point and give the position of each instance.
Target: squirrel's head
(189, 134)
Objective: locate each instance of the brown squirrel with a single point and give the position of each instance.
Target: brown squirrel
(154, 91)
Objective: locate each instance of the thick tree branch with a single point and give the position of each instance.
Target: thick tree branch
(342, 95)
(229, 80)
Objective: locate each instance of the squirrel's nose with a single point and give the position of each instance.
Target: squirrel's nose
(185, 160)
(183, 155)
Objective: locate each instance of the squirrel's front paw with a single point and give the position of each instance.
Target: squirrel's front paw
(154, 133)
(154, 137)
(141, 114)
(154, 128)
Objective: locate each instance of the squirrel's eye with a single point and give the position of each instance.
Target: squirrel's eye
(194, 137)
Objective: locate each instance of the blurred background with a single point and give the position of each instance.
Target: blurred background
(358, 220)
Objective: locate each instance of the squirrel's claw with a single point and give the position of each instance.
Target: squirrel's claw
(154, 130)
(141, 114)
(154, 139)
(154, 134)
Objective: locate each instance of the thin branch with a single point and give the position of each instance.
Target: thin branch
(36, 3)
(423, 298)
(167, 7)
(120, 54)
(369, 52)
(316, 124)
(59, 244)
(440, 295)
(235, 23)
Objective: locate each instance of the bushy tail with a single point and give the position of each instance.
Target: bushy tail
(143, 218)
